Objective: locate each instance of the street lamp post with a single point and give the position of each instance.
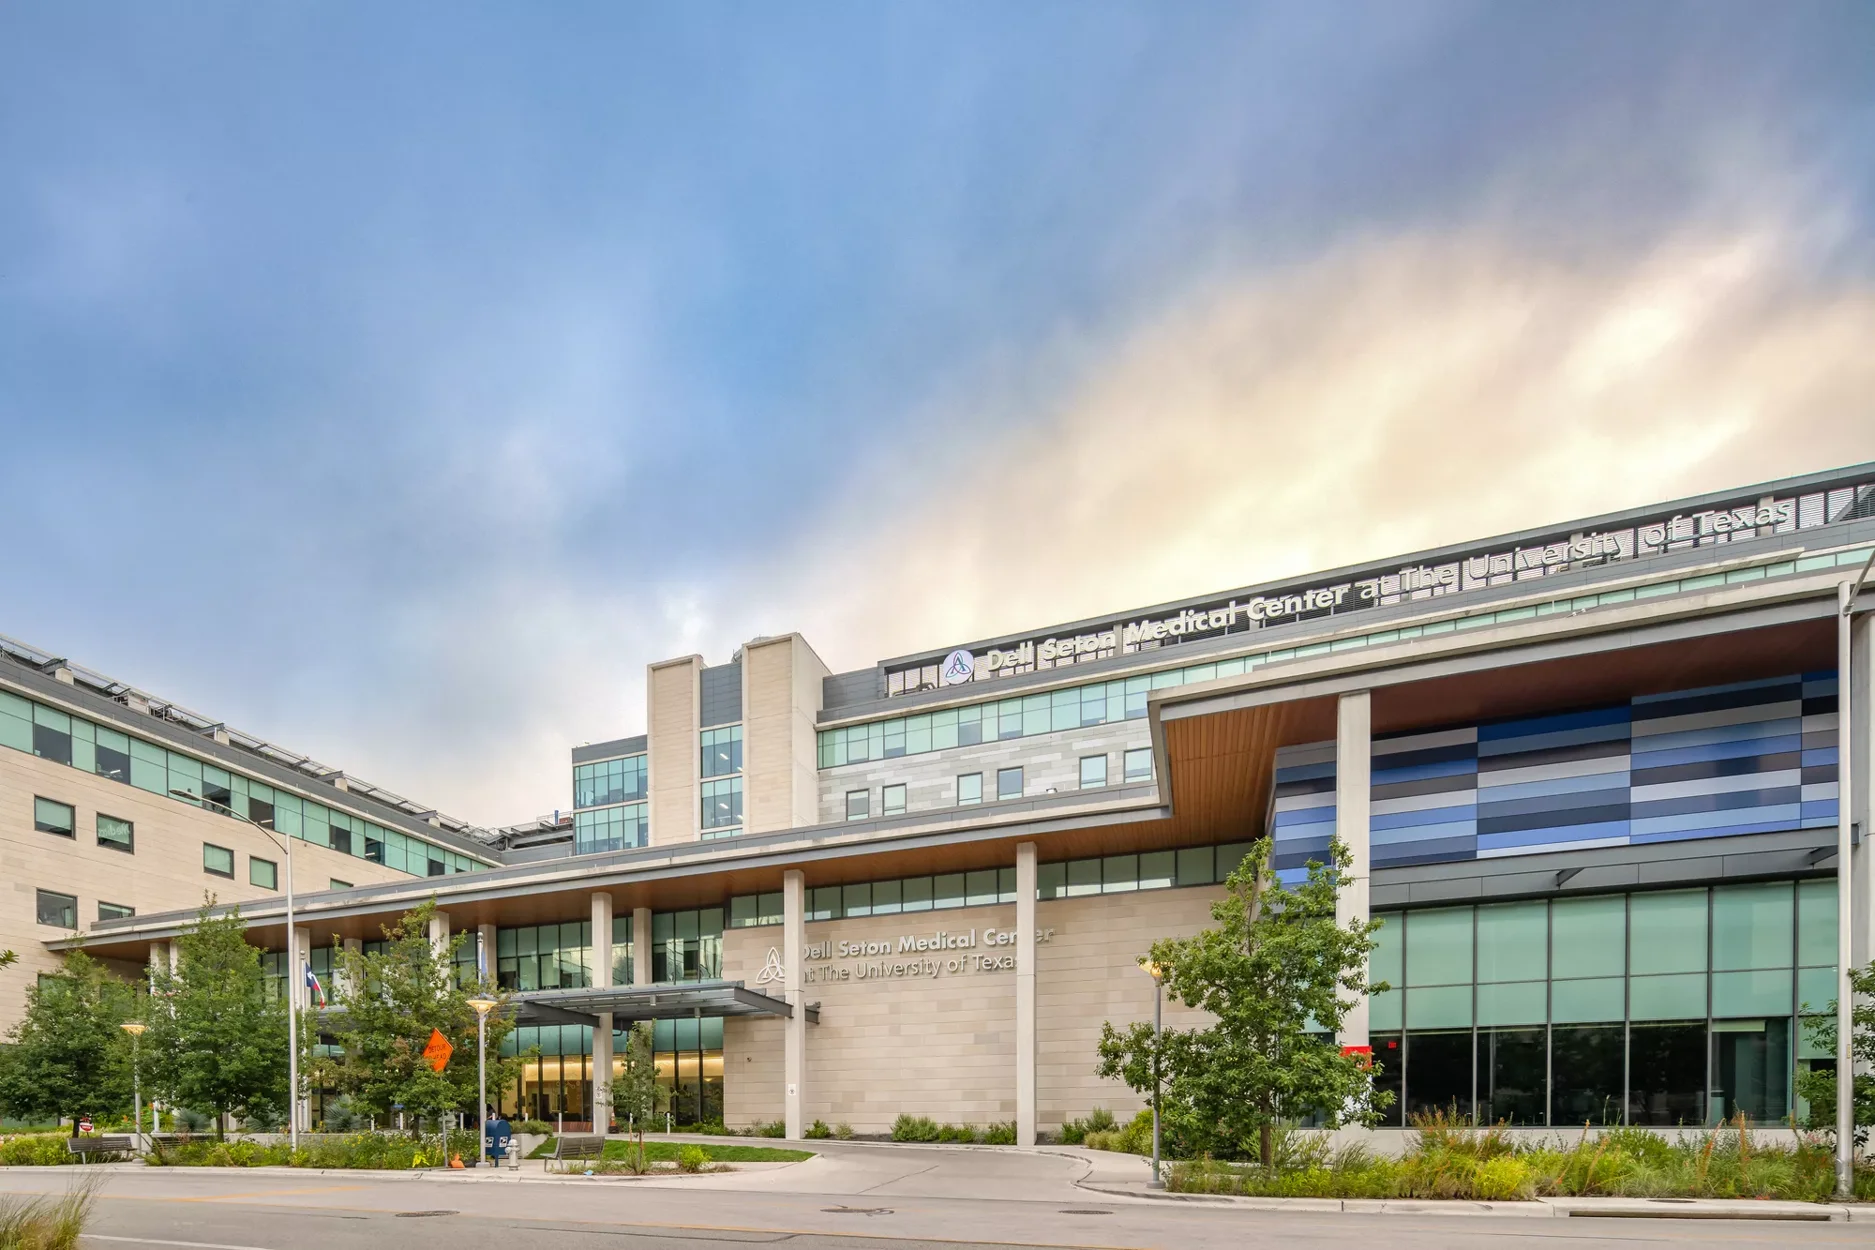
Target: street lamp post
(1157, 974)
(294, 977)
(135, 1029)
(482, 1007)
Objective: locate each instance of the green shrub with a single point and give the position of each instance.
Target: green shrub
(1074, 1132)
(915, 1128)
(36, 1150)
(774, 1128)
(956, 1133)
(692, 1158)
(818, 1131)
(843, 1131)
(532, 1127)
(1001, 1134)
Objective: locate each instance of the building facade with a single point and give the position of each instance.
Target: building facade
(1592, 777)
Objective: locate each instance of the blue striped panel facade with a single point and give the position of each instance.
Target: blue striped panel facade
(1752, 757)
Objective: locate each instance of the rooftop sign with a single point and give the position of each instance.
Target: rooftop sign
(1486, 566)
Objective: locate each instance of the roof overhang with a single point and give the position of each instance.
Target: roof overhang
(633, 1003)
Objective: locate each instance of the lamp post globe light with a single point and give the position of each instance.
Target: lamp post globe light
(1157, 974)
(292, 962)
(482, 1007)
(135, 1029)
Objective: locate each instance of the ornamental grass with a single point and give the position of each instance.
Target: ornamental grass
(1449, 1159)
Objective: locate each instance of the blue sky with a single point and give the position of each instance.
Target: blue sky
(395, 381)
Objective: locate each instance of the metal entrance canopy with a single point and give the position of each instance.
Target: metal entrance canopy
(650, 1002)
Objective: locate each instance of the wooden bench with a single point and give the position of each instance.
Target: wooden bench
(109, 1144)
(578, 1146)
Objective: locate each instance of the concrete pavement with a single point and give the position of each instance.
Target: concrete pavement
(853, 1195)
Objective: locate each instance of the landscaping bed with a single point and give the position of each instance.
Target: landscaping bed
(1489, 1164)
(620, 1148)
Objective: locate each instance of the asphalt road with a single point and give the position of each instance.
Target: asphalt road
(851, 1199)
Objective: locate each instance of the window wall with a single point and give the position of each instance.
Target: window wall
(687, 945)
(1112, 874)
(544, 957)
(688, 1056)
(1663, 1008)
(105, 752)
(610, 829)
(609, 781)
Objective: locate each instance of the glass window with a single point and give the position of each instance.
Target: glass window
(1674, 996)
(856, 900)
(918, 893)
(858, 804)
(885, 898)
(1513, 1076)
(217, 860)
(1119, 874)
(1051, 881)
(52, 734)
(1588, 1000)
(1438, 1072)
(970, 788)
(1513, 1002)
(1589, 936)
(51, 816)
(1586, 1074)
(1093, 771)
(263, 873)
(115, 833)
(1666, 1072)
(1760, 992)
(333, 883)
(722, 803)
(1387, 962)
(892, 800)
(1196, 865)
(1752, 926)
(1513, 942)
(947, 890)
(115, 911)
(1083, 877)
(1139, 765)
(1438, 948)
(1751, 1069)
(823, 903)
(980, 887)
(1155, 869)
(113, 755)
(57, 909)
(722, 751)
(1816, 923)
(1669, 933)
(1436, 1007)
(1009, 783)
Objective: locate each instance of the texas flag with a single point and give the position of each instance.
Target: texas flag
(312, 983)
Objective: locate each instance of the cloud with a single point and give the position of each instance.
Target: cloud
(1392, 394)
(1395, 393)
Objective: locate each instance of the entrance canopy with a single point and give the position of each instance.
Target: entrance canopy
(650, 1002)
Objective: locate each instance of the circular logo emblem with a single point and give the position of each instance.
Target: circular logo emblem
(959, 667)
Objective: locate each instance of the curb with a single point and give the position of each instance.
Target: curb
(1540, 1208)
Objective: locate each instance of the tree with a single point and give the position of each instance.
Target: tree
(1818, 1085)
(67, 1056)
(1275, 964)
(391, 1001)
(217, 1042)
(635, 1089)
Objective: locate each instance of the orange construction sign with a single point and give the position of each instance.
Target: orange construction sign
(439, 1050)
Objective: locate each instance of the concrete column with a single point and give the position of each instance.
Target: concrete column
(1354, 724)
(159, 957)
(794, 1048)
(354, 947)
(1025, 994)
(439, 932)
(602, 1032)
(641, 946)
